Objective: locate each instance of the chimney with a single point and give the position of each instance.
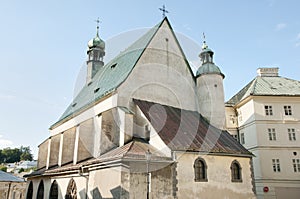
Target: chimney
(267, 72)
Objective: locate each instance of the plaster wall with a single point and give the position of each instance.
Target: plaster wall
(161, 75)
(219, 184)
(210, 93)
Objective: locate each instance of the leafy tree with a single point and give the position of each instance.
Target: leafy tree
(3, 168)
(26, 153)
(9, 155)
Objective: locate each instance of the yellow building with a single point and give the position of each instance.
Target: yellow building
(265, 117)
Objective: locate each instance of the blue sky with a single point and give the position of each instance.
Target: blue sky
(43, 48)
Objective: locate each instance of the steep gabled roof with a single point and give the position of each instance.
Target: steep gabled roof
(267, 86)
(188, 131)
(110, 76)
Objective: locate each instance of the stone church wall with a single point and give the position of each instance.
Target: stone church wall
(43, 154)
(54, 150)
(161, 75)
(68, 146)
(110, 131)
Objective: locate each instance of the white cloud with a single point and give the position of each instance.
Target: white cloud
(280, 26)
(5, 143)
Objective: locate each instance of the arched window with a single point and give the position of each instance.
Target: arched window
(200, 170)
(236, 171)
(29, 191)
(40, 192)
(71, 190)
(54, 190)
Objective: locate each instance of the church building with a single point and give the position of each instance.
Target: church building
(144, 126)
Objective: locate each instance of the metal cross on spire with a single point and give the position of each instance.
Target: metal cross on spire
(97, 21)
(204, 45)
(164, 11)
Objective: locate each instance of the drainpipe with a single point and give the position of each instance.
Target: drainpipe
(9, 185)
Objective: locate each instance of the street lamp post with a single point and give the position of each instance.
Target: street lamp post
(148, 157)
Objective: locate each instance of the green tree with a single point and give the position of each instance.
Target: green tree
(9, 155)
(26, 153)
(3, 168)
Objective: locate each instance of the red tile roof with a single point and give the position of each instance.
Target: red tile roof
(189, 131)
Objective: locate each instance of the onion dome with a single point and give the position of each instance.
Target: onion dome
(208, 66)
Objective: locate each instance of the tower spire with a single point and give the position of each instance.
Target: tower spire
(96, 52)
(204, 45)
(97, 21)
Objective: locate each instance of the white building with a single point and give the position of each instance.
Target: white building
(265, 117)
(135, 130)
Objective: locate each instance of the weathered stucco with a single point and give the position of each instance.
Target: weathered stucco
(219, 184)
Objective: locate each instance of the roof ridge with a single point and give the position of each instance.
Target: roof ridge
(253, 86)
(130, 147)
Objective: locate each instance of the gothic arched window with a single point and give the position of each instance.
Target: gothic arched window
(29, 191)
(40, 192)
(200, 170)
(54, 190)
(71, 190)
(236, 171)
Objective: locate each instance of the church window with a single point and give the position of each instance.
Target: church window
(29, 191)
(292, 134)
(40, 192)
(200, 170)
(236, 172)
(296, 165)
(287, 110)
(71, 190)
(54, 190)
(272, 134)
(242, 138)
(268, 110)
(276, 165)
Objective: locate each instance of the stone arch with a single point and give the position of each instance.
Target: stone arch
(71, 190)
(53, 190)
(29, 191)
(40, 191)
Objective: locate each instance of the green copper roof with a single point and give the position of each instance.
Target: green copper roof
(208, 68)
(267, 86)
(96, 42)
(110, 76)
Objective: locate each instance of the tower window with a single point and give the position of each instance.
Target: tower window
(236, 172)
(242, 138)
(200, 170)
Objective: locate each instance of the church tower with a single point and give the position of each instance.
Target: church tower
(210, 89)
(96, 52)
